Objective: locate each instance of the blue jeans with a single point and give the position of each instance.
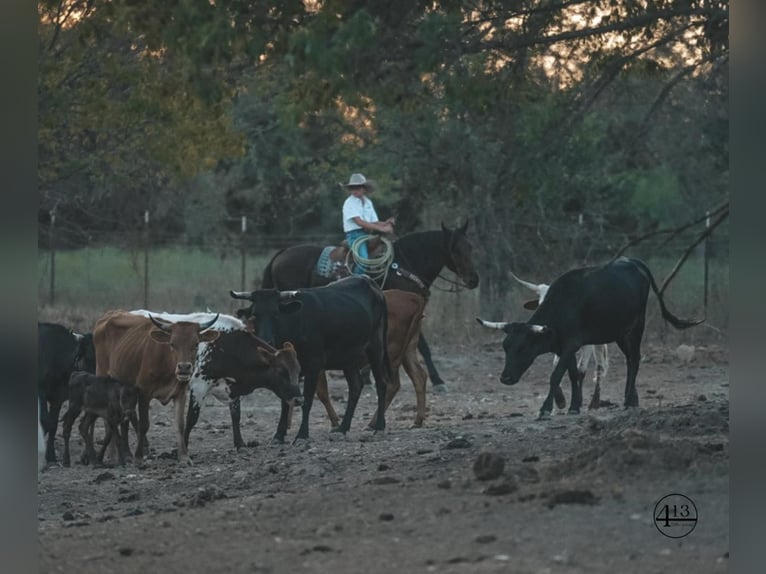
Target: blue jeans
(352, 236)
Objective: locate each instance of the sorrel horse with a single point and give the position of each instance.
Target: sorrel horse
(419, 257)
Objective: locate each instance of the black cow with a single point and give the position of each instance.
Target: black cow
(60, 351)
(341, 326)
(586, 306)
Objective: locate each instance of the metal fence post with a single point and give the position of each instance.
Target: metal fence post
(52, 255)
(243, 252)
(706, 253)
(146, 259)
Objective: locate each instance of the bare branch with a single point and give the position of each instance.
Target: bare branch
(673, 231)
(689, 249)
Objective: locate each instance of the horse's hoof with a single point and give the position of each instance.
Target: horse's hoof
(544, 415)
(440, 388)
(300, 440)
(572, 411)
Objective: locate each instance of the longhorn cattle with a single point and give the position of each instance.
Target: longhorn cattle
(233, 363)
(157, 357)
(341, 326)
(585, 306)
(60, 351)
(598, 353)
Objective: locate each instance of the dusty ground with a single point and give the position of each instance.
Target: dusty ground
(577, 493)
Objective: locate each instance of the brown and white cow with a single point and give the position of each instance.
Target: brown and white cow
(158, 357)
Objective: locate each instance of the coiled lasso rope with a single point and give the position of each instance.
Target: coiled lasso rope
(376, 268)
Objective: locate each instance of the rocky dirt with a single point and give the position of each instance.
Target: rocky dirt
(572, 494)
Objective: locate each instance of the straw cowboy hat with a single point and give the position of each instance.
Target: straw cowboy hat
(358, 180)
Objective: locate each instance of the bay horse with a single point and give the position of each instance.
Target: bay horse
(419, 258)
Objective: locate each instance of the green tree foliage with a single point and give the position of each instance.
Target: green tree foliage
(562, 128)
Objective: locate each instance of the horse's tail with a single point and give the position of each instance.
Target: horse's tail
(267, 280)
(667, 315)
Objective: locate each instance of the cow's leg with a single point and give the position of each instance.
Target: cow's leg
(382, 370)
(180, 407)
(192, 415)
(235, 406)
(354, 391)
(566, 358)
(630, 345)
(279, 436)
(309, 389)
(113, 423)
(323, 394)
(143, 425)
(69, 417)
(53, 421)
(86, 422)
(559, 398)
(111, 437)
(436, 380)
(391, 389)
(575, 379)
(602, 363)
(121, 437)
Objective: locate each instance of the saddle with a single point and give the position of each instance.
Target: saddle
(332, 261)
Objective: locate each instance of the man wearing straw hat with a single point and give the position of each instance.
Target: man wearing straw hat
(359, 216)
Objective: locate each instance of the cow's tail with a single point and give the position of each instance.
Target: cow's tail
(666, 314)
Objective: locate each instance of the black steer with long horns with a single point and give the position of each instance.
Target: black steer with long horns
(341, 326)
(585, 306)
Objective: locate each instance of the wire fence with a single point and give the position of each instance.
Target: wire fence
(86, 272)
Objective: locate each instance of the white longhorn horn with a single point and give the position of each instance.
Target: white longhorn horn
(240, 294)
(540, 289)
(491, 324)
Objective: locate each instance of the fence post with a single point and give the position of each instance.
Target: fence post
(52, 255)
(146, 259)
(706, 254)
(243, 251)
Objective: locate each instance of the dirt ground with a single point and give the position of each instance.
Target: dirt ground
(577, 492)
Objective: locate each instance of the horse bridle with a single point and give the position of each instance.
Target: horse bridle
(457, 286)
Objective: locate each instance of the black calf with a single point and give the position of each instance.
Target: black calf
(104, 397)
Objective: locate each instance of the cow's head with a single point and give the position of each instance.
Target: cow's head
(282, 373)
(183, 337)
(85, 355)
(239, 362)
(267, 307)
(522, 344)
(459, 258)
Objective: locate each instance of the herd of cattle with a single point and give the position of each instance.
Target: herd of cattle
(281, 337)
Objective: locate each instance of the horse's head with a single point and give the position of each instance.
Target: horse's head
(458, 251)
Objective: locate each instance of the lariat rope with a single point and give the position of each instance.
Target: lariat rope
(374, 267)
